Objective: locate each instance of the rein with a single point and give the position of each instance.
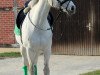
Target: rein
(51, 28)
(61, 3)
(36, 26)
(54, 23)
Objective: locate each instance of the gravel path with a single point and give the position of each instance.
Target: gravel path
(59, 65)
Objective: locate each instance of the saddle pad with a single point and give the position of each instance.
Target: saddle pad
(17, 31)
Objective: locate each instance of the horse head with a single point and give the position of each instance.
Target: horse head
(67, 6)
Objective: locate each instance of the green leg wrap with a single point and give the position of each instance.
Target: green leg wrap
(35, 69)
(25, 70)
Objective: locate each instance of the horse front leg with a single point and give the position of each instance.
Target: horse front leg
(32, 59)
(24, 58)
(47, 54)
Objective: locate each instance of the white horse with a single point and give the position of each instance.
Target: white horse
(37, 34)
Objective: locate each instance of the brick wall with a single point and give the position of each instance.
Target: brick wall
(6, 3)
(20, 3)
(6, 27)
(7, 21)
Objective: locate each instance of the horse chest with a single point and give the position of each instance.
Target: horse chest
(41, 39)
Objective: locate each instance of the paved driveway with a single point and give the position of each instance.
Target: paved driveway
(59, 65)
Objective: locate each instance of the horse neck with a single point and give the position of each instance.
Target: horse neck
(39, 12)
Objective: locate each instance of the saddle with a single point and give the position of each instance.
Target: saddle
(21, 16)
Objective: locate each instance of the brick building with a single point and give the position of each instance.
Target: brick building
(7, 20)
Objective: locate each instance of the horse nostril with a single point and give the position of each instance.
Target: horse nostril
(72, 8)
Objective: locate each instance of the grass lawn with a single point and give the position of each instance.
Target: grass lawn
(10, 54)
(97, 72)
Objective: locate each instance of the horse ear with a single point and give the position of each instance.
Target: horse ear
(50, 2)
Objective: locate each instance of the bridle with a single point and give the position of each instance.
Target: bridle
(62, 2)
